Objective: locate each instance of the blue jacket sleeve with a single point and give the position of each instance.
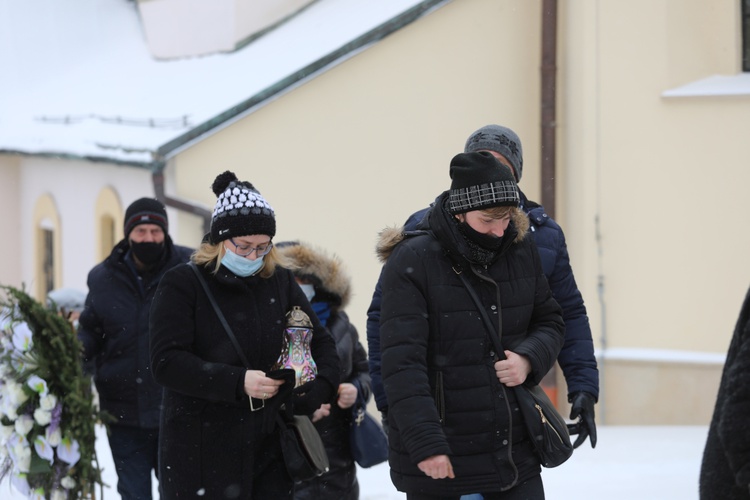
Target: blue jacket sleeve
(576, 358)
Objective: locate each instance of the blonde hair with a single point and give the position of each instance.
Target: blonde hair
(210, 254)
(500, 212)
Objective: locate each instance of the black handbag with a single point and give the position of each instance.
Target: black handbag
(367, 440)
(547, 429)
(304, 455)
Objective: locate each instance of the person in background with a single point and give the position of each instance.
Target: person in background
(69, 302)
(219, 435)
(576, 358)
(328, 288)
(725, 470)
(453, 415)
(114, 331)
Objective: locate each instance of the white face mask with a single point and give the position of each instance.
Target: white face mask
(309, 291)
(239, 265)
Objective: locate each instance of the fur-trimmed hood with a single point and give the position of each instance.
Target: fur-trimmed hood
(389, 237)
(325, 271)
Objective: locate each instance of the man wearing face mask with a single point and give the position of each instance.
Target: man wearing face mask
(115, 336)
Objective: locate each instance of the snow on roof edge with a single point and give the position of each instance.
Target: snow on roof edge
(152, 165)
(330, 60)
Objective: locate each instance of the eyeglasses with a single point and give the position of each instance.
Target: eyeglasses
(245, 250)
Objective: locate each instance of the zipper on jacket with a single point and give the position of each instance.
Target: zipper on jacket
(440, 396)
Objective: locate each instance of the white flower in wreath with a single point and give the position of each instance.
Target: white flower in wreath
(38, 385)
(6, 345)
(14, 393)
(8, 409)
(6, 431)
(53, 436)
(59, 495)
(43, 449)
(19, 482)
(68, 451)
(22, 337)
(20, 454)
(68, 483)
(24, 424)
(38, 494)
(42, 416)
(48, 402)
(5, 319)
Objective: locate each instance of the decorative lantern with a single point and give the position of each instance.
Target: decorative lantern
(295, 350)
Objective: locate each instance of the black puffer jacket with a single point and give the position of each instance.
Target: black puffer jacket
(332, 293)
(209, 439)
(725, 472)
(114, 333)
(438, 362)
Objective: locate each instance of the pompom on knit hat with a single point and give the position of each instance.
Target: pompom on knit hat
(480, 182)
(500, 140)
(145, 211)
(240, 210)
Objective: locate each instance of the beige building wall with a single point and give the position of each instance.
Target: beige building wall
(653, 191)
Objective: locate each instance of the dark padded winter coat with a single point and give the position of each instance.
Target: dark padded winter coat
(576, 358)
(332, 286)
(725, 472)
(114, 333)
(438, 360)
(210, 441)
(340, 483)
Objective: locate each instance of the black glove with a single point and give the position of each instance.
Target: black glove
(308, 397)
(583, 409)
(281, 402)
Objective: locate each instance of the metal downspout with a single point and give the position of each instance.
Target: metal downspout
(548, 139)
(185, 206)
(549, 103)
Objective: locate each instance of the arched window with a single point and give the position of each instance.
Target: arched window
(48, 255)
(108, 215)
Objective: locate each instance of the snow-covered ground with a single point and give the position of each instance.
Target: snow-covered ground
(643, 462)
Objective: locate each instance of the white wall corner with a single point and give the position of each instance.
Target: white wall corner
(188, 28)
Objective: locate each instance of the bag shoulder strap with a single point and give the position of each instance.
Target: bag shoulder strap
(223, 320)
(494, 336)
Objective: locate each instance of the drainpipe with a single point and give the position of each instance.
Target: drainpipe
(185, 206)
(548, 125)
(549, 102)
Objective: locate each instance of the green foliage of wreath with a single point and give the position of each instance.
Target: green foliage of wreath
(38, 372)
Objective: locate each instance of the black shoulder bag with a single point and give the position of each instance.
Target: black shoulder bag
(546, 427)
(304, 454)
